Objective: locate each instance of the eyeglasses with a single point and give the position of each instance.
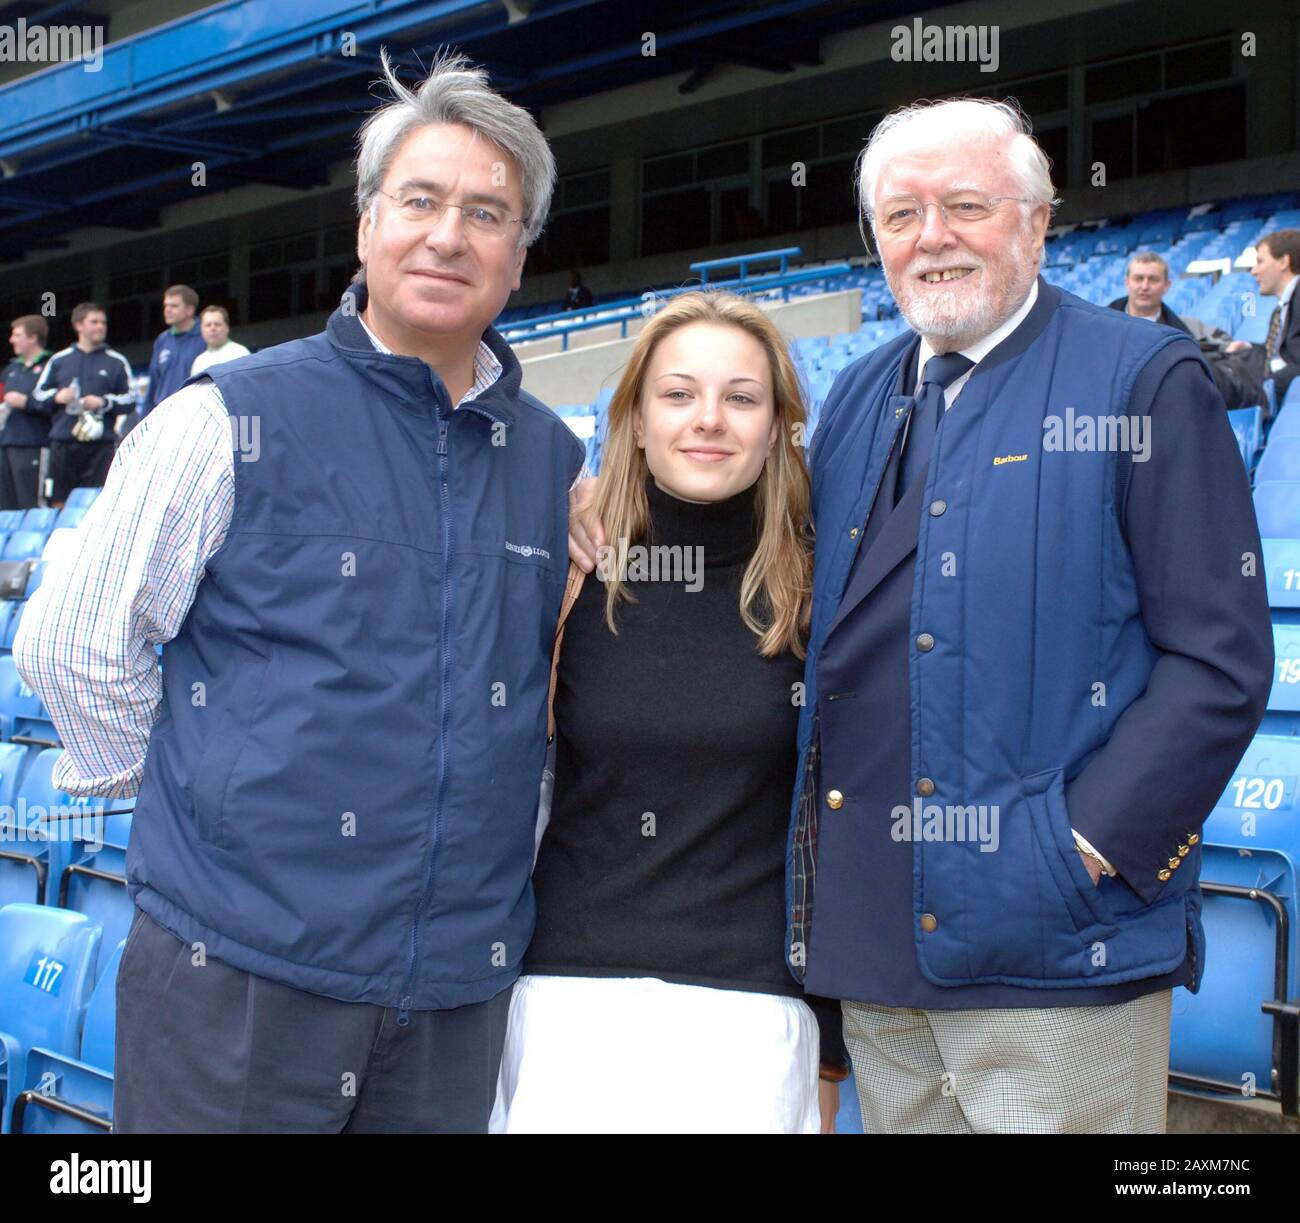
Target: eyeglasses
(484, 220)
(906, 213)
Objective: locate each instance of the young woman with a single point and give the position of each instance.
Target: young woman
(655, 995)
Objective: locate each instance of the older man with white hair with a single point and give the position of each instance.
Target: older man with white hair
(1040, 643)
(353, 546)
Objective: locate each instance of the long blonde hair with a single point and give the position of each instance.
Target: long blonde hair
(776, 592)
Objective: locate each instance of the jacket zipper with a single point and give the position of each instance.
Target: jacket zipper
(404, 1004)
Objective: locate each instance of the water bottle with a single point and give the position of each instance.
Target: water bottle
(74, 404)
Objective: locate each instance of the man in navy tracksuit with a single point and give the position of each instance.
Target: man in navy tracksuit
(175, 348)
(353, 545)
(84, 389)
(26, 428)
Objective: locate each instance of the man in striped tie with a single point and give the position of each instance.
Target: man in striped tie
(1277, 258)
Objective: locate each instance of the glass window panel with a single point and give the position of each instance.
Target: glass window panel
(676, 221)
(1123, 79)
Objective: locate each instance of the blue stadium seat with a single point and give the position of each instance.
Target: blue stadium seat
(1247, 426)
(81, 498)
(11, 629)
(1277, 507)
(74, 1095)
(11, 699)
(47, 817)
(36, 576)
(47, 966)
(24, 545)
(22, 863)
(1282, 572)
(22, 712)
(1287, 423)
(1254, 322)
(94, 882)
(848, 1120)
(11, 520)
(40, 519)
(1283, 716)
(1251, 844)
(71, 516)
(15, 619)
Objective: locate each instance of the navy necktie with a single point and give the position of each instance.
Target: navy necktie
(941, 371)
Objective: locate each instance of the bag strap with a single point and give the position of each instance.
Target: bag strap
(572, 588)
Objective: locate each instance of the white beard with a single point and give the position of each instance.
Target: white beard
(956, 314)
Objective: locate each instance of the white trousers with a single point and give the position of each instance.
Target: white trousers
(637, 1055)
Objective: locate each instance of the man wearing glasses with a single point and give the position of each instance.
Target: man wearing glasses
(353, 545)
(1040, 643)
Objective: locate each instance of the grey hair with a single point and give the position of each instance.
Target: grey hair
(926, 122)
(1146, 257)
(456, 91)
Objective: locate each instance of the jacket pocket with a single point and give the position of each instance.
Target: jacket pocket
(1045, 794)
(231, 728)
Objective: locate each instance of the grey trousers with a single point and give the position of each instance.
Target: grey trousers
(213, 1049)
(1055, 1070)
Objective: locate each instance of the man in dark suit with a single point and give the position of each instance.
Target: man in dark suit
(578, 296)
(1237, 375)
(1277, 261)
(1147, 280)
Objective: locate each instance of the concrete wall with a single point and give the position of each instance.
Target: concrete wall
(579, 375)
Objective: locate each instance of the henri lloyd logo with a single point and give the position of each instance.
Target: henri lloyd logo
(52, 44)
(528, 550)
(951, 44)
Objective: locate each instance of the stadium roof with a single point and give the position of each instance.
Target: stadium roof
(269, 93)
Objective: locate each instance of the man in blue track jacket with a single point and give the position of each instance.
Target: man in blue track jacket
(26, 428)
(83, 390)
(175, 347)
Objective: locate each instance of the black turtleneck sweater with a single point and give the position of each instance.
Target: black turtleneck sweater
(675, 761)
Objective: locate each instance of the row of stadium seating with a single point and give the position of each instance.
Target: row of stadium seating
(64, 908)
(1088, 261)
(58, 973)
(1240, 1033)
